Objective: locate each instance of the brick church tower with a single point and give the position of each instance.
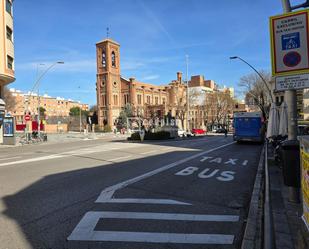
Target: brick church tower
(108, 81)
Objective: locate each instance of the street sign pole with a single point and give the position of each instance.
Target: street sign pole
(290, 95)
(291, 99)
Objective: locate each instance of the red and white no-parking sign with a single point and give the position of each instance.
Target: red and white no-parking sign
(27, 117)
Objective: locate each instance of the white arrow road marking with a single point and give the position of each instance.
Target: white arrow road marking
(107, 193)
(85, 229)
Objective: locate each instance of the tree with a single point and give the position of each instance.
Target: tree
(10, 102)
(42, 111)
(74, 111)
(180, 94)
(217, 106)
(124, 114)
(256, 92)
(93, 108)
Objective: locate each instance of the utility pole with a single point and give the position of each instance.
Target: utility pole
(188, 100)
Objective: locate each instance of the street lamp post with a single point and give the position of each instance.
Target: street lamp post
(80, 115)
(188, 100)
(38, 107)
(237, 57)
(37, 85)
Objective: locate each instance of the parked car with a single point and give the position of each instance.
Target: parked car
(181, 133)
(220, 130)
(198, 132)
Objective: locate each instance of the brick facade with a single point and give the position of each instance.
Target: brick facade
(114, 91)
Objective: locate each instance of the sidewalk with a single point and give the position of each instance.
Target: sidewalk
(288, 226)
(68, 137)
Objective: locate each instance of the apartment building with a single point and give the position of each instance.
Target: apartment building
(6, 53)
(6, 44)
(53, 106)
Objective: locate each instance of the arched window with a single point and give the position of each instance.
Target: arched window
(103, 59)
(113, 59)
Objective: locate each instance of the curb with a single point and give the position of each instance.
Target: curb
(252, 234)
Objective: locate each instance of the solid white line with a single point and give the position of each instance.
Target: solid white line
(64, 154)
(32, 160)
(108, 192)
(148, 152)
(119, 158)
(169, 216)
(145, 201)
(181, 238)
(8, 158)
(84, 231)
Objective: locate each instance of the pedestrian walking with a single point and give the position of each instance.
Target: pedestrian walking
(225, 132)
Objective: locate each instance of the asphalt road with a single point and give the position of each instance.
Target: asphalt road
(191, 193)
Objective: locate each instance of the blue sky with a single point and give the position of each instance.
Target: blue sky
(155, 36)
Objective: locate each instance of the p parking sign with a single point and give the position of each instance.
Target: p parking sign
(289, 43)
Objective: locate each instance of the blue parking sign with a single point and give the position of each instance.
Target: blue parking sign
(290, 41)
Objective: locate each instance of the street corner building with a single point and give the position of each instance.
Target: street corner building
(6, 53)
(114, 92)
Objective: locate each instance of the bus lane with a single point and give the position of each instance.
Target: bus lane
(200, 203)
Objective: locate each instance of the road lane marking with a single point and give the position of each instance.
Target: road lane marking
(119, 158)
(66, 154)
(8, 158)
(85, 230)
(145, 201)
(168, 216)
(148, 152)
(107, 193)
(32, 160)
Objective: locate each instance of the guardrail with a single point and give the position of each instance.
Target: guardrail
(269, 234)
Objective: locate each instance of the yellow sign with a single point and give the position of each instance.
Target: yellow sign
(305, 185)
(289, 43)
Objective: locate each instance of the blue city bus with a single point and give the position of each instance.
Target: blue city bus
(248, 126)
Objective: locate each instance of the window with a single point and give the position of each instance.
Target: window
(9, 33)
(115, 99)
(148, 100)
(103, 59)
(156, 100)
(103, 100)
(163, 101)
(8, 7)
(139, 99)
(126, 99)
(10, 61)
(113, 59)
